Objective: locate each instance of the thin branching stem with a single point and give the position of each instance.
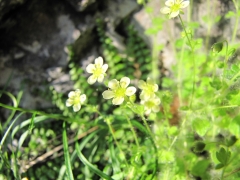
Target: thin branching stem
(193, 61)
(134, 133)
(236, 20)
(115, 140)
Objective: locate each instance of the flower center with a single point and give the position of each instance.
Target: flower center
(98, 71)
(120, 92)
(150, 89)
(149, 104)
(175, 7)
(76, 100)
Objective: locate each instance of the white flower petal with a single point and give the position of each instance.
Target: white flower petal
(99, 61)
(184, 4)
(155, 108)
(118, 100)
(83, 98)
(124, 82)
(156, 101)
(90, 68)
(150, 81)
(100, 78)
(144, 96)
(130, 91)
(71, 94)
(108, 94)
(76, 107)
(113, 84)
(69, 103)
(141, 84)
(104, 68)
(165, 10)
(155, 88)
(173, 14)
(147, 111)
(169, 3)
(92, 79)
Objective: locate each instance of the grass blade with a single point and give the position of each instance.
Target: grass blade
(9, 128)
(66, 153)
(90, 166)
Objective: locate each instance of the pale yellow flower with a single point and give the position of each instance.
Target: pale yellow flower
(151, 104)
(118, 90)
(97, 70)
(173, 7)
(75, 99)
(148, 89)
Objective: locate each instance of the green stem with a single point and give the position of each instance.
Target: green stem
(236, 21)
(186, 33)
(115, 139)
(134, 133)
(223, 107)
(54, 116)
(148, 129)
(194, 65)
(222, 174)
(154, 144)
(179, 85)
(226, 59)
(175, 138)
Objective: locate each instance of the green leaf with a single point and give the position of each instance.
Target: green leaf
(234, 126)
(31, 126)
(200, 168)
(216, 84)
(201, 126)
(66, 153)
(197, 43)
(9, 128)
(22, 139)
(231, 141)
(234, 68)
(223, 156)
(89, 165)
(179, 43)
(219, 166)
(184, 108)
(193, 25)
(231, 52)
(217, 18)
(230, 14)
(149, 9)
(151, 31)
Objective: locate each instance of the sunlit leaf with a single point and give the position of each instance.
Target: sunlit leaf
(201, 126)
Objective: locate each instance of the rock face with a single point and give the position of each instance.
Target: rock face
(34, 35)
(6, 6)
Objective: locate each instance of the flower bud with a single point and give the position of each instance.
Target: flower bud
(231, 141)
(217, 47)
(199, 147)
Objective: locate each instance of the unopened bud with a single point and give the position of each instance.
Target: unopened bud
(217, 47)
(199, 147)
(231, 141)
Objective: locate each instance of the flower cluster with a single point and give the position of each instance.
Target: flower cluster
(148, 97)
(174, 7)
(118, 90)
